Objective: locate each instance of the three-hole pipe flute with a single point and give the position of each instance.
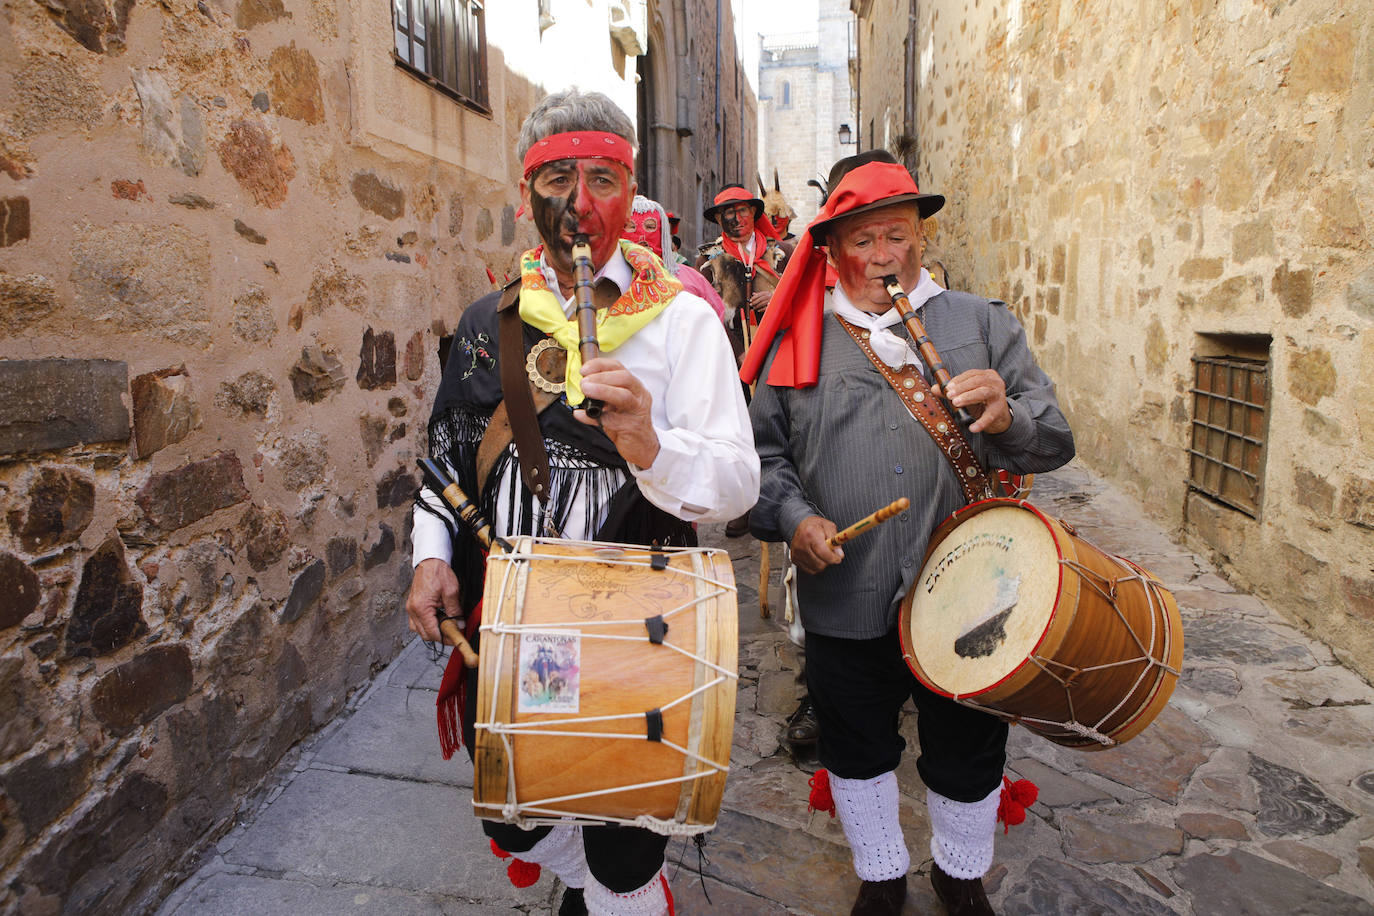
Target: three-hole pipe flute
(923, 344)
(863, 524)
(587, 346)
(441, 482)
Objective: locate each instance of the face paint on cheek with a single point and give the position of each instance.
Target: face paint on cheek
(553, 216)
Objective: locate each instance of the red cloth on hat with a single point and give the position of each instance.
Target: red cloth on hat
(798, 305)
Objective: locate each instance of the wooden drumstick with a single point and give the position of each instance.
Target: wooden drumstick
(863, 524)
(441, 482)
(923, 344)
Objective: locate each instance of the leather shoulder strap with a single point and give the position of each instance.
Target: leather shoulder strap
(521, 415)
(911, 387)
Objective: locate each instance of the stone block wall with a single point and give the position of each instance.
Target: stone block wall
(1149, 182)
(232, 236)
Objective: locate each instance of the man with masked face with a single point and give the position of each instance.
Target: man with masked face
(744, 263)
(672, 445)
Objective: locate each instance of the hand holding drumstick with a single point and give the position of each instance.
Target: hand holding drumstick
(816, 543)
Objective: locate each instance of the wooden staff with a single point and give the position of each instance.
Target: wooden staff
(441, 482)
(587, 346)
(863, 524)
(923, 344)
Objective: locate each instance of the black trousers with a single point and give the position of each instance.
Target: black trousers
(858, 687)
(620, 858)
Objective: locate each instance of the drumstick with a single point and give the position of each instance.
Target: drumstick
(441, 482)
(923, 344)
(863, 524)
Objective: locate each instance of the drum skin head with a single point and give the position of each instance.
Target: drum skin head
(983, 599)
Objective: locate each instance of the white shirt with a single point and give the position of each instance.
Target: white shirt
(706, 468)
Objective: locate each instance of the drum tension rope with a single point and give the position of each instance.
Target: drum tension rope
(654, 732)
(657, 627)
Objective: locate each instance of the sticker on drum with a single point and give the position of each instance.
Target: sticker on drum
(983, 600)
(549, 671)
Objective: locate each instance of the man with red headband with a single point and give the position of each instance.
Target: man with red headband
(744, 263)
(672, 445)
(837, 441)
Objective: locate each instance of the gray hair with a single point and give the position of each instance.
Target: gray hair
(572, 110)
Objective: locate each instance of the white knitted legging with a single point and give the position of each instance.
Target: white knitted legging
(561, 853)
(961, 833)
(872, 825)
(649, 900)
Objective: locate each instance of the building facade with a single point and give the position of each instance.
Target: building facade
(1176, 199)
(806, 107)
(233, 235)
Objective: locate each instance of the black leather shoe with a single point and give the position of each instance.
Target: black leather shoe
(573, 903)
(803, 728)
(880, 898)
(737, 527)
(961, 896)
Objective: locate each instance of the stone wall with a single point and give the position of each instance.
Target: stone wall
(232, 236)
(1150, 182)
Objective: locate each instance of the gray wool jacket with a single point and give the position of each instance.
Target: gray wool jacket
(848, 446)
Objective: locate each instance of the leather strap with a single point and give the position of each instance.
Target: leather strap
(911, 387)
(520, 417)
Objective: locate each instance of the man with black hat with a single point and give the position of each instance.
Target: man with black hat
(836, 441)
(744, 263)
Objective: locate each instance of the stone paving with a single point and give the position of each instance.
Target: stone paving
(1252, 793)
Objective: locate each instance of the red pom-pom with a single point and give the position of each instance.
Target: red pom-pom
(821, 799)
(1025, 792)
(1015, 798)
(498, 851)
(522, 873)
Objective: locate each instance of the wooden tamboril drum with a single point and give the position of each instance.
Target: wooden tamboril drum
(1015, 614)
(606, 687)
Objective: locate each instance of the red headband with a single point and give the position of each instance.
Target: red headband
(580, 144)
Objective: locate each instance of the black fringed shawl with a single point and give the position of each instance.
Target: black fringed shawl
(581, 457)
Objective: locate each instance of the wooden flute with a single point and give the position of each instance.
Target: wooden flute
(587, 346)
(877, 518)
(923, 344)
(441, 482)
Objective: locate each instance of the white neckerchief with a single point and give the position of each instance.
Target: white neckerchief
(893, 349)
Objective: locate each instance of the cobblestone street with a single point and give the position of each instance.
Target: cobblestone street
(1253, 792)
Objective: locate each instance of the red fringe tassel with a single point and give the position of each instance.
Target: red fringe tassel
(453, 690)
(520, 872)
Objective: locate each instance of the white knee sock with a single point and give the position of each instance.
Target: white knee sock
(872, 825)
(561, 853)
(961, 833)
(653, 899)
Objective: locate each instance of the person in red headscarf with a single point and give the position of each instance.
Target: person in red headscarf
(837, 440)
(744, 263)
(671, 447)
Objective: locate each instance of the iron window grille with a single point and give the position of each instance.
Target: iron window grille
(1230, 422)
(444, 43)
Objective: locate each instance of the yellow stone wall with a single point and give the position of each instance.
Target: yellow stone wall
(1130, 176)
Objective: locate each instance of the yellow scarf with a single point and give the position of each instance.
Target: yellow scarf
(652, 287)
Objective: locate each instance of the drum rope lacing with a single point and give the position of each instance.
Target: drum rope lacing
(514, 812)
(1107, 588)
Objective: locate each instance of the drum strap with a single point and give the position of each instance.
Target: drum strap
(517, 416)
(915, 393)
